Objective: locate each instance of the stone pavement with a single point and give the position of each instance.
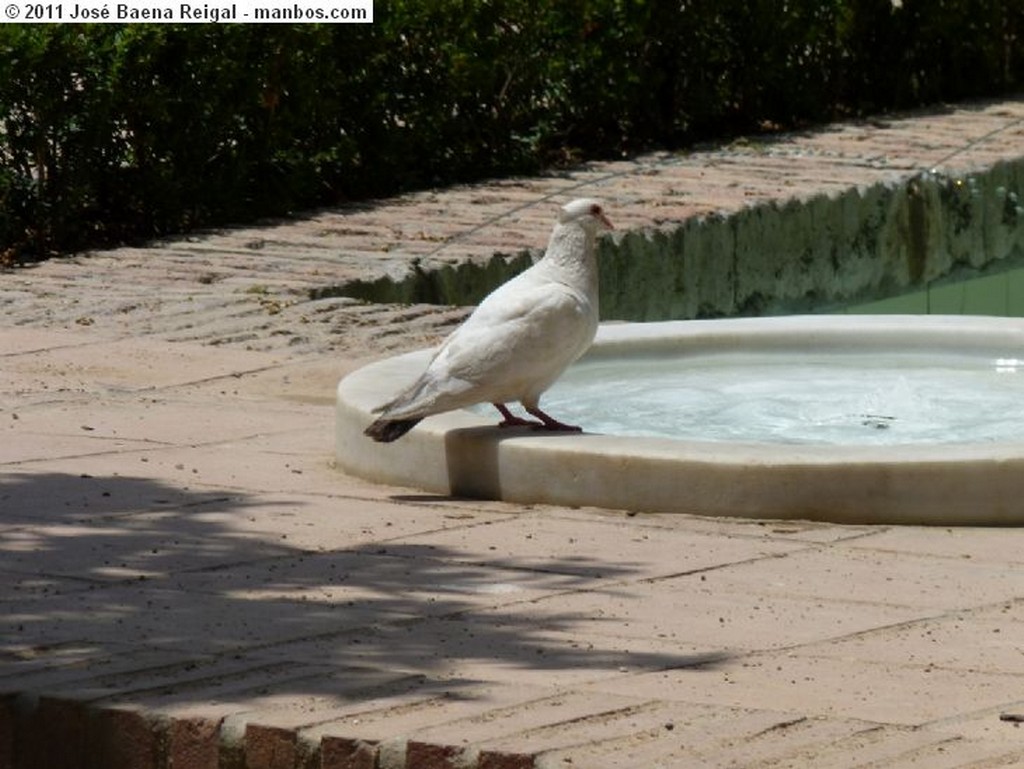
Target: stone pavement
(186, 581)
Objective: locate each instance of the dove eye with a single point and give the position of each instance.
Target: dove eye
(595, 210)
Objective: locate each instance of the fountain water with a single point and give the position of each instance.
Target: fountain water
(860, 398)
(846, 418)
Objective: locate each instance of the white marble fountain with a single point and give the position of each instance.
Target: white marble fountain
(901, 419)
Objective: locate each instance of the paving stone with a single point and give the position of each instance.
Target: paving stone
(124, 739)
(612, 549)
(430, 582)
(803, 685)
(135, 421)
(985, 545)
(872, 576)
(270, 747)
(971, 641)
(74, 667)
(167, 618)
(707, 737)
(25, 448)
(146, 546)
(132, 365)
(998, 727)
(193, 743)
(347, 753)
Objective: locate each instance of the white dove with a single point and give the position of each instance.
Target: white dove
(519, 339)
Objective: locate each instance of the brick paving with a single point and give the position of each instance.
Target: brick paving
(186, 581)
(251, 286)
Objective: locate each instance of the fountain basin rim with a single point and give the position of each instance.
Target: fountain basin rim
(890, 483)
(985, 335)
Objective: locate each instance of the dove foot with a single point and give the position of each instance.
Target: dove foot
(518, 422)
(511, 420)
(550, 423)
(545, 422)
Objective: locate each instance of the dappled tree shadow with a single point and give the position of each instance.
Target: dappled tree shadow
(104, 530)
(159, 583)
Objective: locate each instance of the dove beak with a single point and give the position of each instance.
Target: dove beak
(605, 221)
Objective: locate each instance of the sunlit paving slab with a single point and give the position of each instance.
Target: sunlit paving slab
(799, 683)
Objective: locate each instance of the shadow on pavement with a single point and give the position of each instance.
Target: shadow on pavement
(132, 588)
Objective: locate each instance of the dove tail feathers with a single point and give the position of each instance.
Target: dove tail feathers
(385, 430)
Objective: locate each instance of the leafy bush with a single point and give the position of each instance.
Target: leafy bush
(116, 133)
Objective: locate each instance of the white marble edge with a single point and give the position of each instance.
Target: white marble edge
(919, 478)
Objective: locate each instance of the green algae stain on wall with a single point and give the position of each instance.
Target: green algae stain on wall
(927, 243)
(876, 247)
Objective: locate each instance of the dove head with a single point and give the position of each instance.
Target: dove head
(587, 213)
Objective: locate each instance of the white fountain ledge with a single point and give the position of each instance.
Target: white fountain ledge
(464, 454)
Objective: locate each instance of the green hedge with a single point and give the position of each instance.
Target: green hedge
(115, 133)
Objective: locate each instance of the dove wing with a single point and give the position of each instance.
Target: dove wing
(514, 345)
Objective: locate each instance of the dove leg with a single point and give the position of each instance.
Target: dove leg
(550, 423)
(511, 420)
